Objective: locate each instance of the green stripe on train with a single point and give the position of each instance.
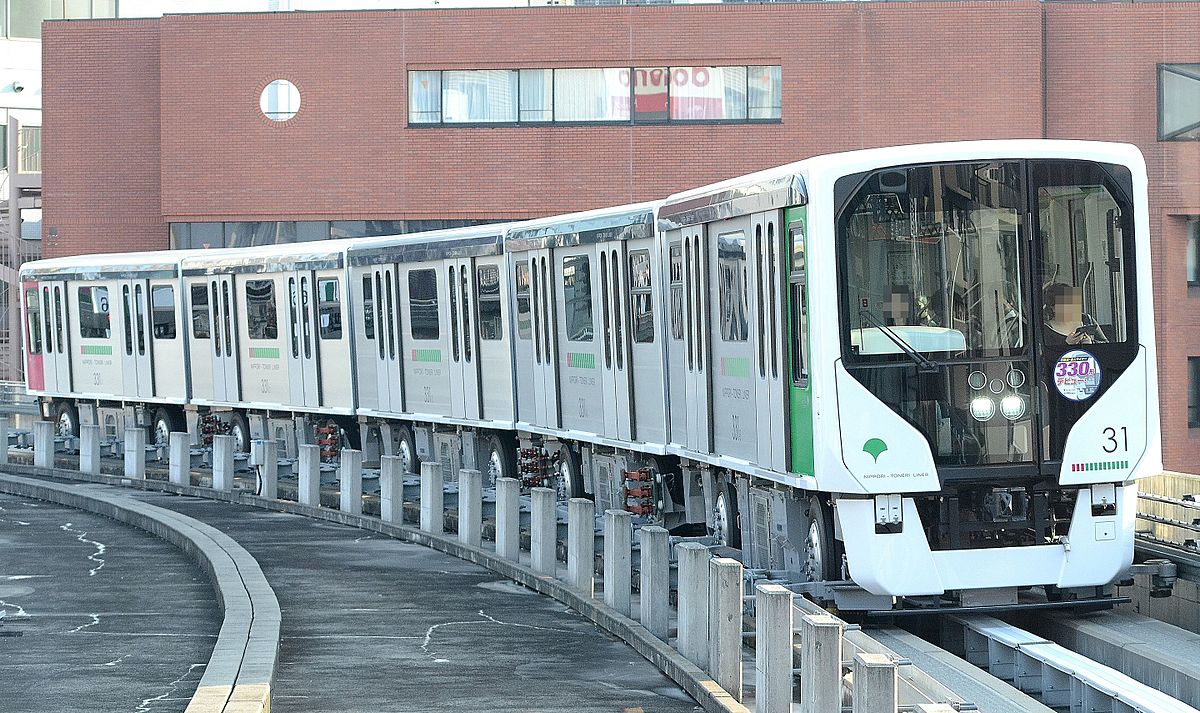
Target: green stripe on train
(264, 352)
(431, 355)
(580, 360)
(95, 349)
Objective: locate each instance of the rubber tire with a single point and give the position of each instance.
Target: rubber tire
(170, 418)
(68, 409)
(404, 434)
(832, 556)
(574, 486)
(493, 443)
(735, 529)
(238, 420)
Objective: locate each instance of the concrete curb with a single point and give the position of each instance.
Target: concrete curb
(240, 672)
(689, 676)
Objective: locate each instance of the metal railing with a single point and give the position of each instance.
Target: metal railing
(14, 399)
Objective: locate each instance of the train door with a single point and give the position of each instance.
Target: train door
(224, 353)
(464, 347)
(615, 374)
(304, 359)
(331, 335)
(137, 355)
(56, 354)
(35, 364)
(524, 344)
(495, 352)
(697, 335)
(645, 347)
(769, 366)
(678, 343)
(388, 379)
(166, 343)
(545, 338)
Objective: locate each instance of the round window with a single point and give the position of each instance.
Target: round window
(280, 100)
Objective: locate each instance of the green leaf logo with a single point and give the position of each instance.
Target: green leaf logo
(875, 447)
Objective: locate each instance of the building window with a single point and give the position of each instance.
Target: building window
(262, 318)
(595, 95)
(1193, 253)
(1179, 102)
(577, 297)
(423, 304)
(280, 100)
(25, 17)
(94, 322)
(162, 307)
(640, 289)
(1193, 392)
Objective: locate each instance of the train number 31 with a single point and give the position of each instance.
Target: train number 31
(1112, 443)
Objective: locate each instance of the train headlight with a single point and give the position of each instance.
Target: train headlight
(982, 408)
(1012, 406)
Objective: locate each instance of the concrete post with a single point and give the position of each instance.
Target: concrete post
(725, 624)
(3, 440)
(470, 507)
(222, 478)
(89, 449)
(581, 545)
(268, 470)
(773, 649)
(618, 575)
(874, 684)
(508, 518)
(821, 663)
(179, 458)
(350, 477)
(543, 536)
(693, 602)
(433, 517)
(655, 581)
(135, 452)
(391, 490)
(309, 478)
(43, 444)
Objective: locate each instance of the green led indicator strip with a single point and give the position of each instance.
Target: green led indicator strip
(427, 355)
(264, 352)
(579, 360)
(95, 349)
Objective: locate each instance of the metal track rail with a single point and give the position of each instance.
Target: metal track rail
(1059, 677)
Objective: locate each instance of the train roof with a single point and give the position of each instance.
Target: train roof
(626, 222)
(473, 241)
(144, 265)
(786, 185)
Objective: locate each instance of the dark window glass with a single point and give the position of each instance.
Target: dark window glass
(389, 299)
(200, 317)
(262, 318)
(1194, 392)
(617, 311)
(800, 345)
(463, 281)
(32, 326)
(49, 325)
(577, 297)
(676, 253)
(488, 291)
(294, 317)
(423, 304)
(731, 283)
(139, 301)
(1179, 102)
(642, 293)
(368, 308)
(453, 313)
(524, 320)
(364, 228)
(1193, 252)
(162, 300)
(329, 308)
(128, 320)
(94, 321)
(604, 309)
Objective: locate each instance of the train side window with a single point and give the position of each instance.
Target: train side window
(464, 284)
(226, 318)
(200, 319)
(618, 311)
(59, 318)
(306, 316)
(453, 313)
(128, 320)
(94, 322)
(391, 316)
(524, 319)
(368, 302)
(379, 300)
(675, 253)
(577, 297)
(642, 292)
(293, 316)
(537, 315)
(162, 308)
(799, 336)
(731, 277)
(760, 292)
(546, 302)
(329, 308)
(604, 309)
(216, 317)
(772, 290)
(262, 317)
(49, 326)
(33, 328)
(139, 305)
(689, 279)
(487, 290)
(423, 304)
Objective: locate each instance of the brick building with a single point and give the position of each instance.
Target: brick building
(155, 132)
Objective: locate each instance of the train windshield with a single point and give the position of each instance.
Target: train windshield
(955, 316)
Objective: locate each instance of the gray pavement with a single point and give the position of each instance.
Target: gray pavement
(375, 624)
(97, 616)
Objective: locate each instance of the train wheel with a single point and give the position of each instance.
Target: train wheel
(500, 460)
(568, 478)
(66, 419)
(724, 517)
(239, 428)
(818, 559)
(165, 423)
(406, 449)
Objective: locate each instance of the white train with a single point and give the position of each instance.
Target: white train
(923, 372)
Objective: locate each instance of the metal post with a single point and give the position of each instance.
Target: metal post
(135, 452)
(693, 602)
(432, 515)
(508, 518)
(618, 543)
(773, 649)
(655, 580)
(725, 624)
(268, 470)
(350, 477)
(391, 490)
(89, 449)
(470, 507)
(543, 536)
(3, 440)
(179, 457)
(581, 545)
(309, 477)
(874, 684)
(821, 663)
(222, 478)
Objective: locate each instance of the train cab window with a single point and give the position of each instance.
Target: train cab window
(200, 317)
(487, 289)
(162, 308)
(577, 297)
(676, 259)
(329, 308)
(368, 302)
(642, 293)
(33, 329)
(524, 319)
(262, 317)
(423, 304)
(94, 320)
(732, 281)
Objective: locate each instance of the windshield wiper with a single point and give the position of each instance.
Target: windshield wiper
(922, 361)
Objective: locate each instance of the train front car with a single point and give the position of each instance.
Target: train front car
(983, 336)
